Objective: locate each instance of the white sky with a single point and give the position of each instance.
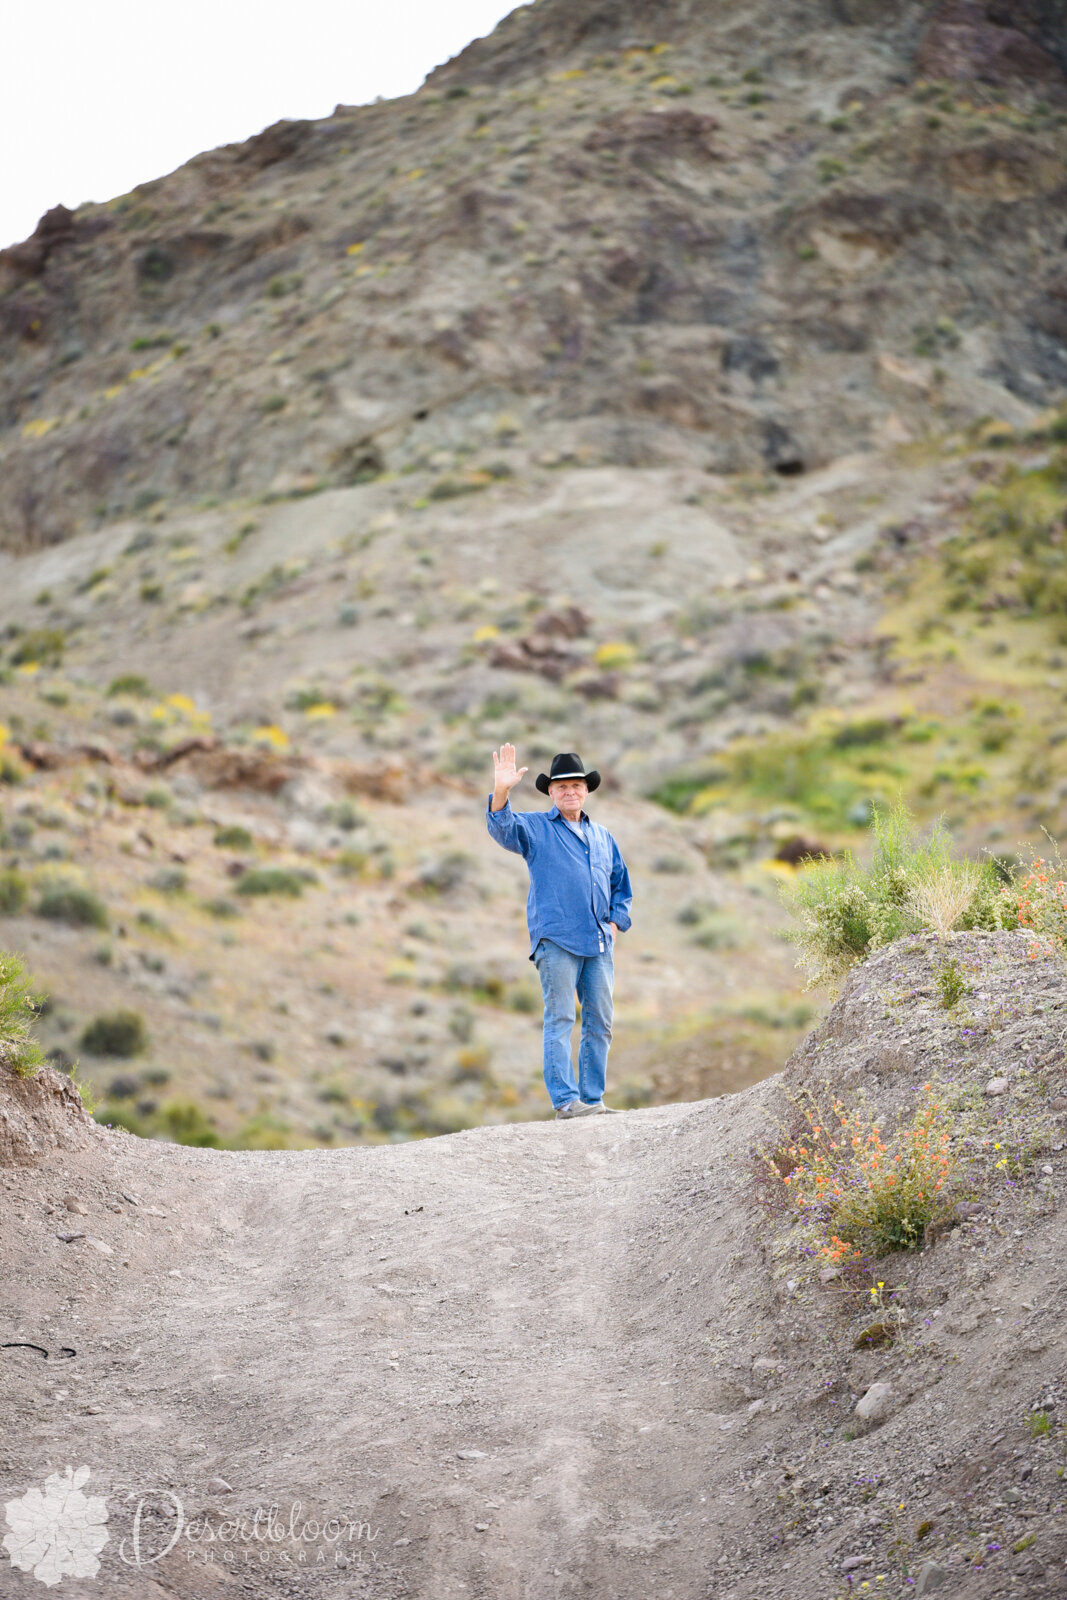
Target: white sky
(99, 95)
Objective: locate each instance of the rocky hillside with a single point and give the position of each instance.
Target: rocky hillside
(455, 1387)
(673, 383)
(640, 234)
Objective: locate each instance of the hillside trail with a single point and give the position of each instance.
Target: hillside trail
(482, 1350)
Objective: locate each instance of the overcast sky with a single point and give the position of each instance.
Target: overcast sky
(99, 95)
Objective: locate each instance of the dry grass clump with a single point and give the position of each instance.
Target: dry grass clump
(846, 909)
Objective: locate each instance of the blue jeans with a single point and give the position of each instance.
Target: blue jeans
(593, 978)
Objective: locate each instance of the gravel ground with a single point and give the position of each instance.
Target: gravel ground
(545, 1359)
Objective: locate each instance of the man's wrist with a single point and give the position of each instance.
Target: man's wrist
(500, 799)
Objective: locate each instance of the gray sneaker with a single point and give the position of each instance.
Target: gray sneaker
(576, 1108)
(600, 1106)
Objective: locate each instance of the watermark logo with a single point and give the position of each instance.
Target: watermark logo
(58, 1533)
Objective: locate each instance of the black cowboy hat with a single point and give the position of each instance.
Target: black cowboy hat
(567, 765)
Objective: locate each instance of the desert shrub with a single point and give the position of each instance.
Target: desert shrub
(473, 1062)
(265, 1132)
(159, 797)
(184, 1122)
(115, 1033)
(346, 816)
(14, 892)
(18, 1013)
(846, 909)
(129, 683)
(860, 1194)
(524, 1000)
(353, 863)
(718, 933)
(444, 873)
(479, 981)
(951, 982)
(72, 903)
(271, 880)
(233, 837)
(44, 645)
(169, 880)
(221, 907)
(1039, 897)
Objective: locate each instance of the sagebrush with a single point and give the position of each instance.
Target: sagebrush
(845, 908)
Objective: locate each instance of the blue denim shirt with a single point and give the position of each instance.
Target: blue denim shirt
(576, 888)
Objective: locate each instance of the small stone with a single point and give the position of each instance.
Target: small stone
(828, 1274)
(173, 1273)
(481, 1527)
(1047, 1170)
(766, 1364)
(969, 1210)
(218, 1486)
(1060, 1103)
(72, 1203)
(69, 1238)
(132, 1198)
(398, 1542)
(470, 1455)
(850, 1563)
(756, 1406)
(876, 1403)
(99, 1244)
(997, 1086)
(94, 1411)
(930, 1576)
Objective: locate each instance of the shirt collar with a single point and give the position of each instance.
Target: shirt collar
(556, 812)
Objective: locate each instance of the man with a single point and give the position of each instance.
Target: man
(579, 902)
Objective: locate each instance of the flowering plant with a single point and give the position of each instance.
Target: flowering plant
(1040, 898)
(865, 1194)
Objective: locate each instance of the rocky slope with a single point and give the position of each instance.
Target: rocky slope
(646, 234)
(665, 382)
(536, 1361)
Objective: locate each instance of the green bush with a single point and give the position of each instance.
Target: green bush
(44, 645)
(271, 880)
(846, 909)
(233, 837)
(72, 903)
(18, 1013)
(169, 880)
(115, 1033)
(222, 908)
(185, 1123)
(129, 683)
(14, 891)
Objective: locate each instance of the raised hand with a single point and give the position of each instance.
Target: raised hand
(505, 773)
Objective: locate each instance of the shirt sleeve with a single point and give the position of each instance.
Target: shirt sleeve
(621, 892)
(510, 829)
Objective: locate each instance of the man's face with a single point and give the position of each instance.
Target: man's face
(568, 792)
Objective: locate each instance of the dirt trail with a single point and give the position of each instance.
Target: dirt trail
(549, 1360)
(457, 1343)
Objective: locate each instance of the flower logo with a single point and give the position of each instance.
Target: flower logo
(57, 1534)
